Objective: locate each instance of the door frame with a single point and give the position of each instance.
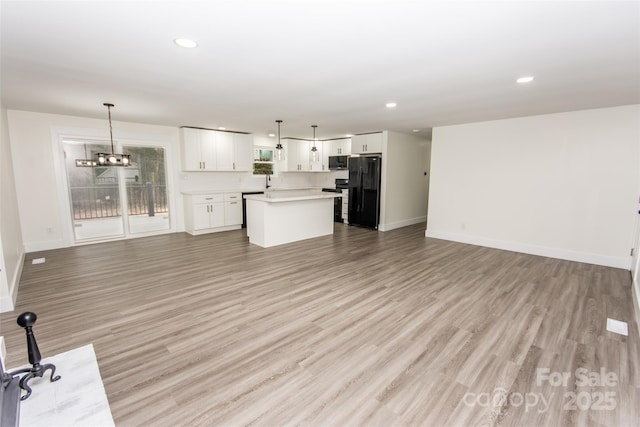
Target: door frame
(60, 133)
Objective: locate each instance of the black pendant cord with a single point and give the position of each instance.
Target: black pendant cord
(27, 320)
(106, 104)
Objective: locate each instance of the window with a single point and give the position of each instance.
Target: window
(263, 161)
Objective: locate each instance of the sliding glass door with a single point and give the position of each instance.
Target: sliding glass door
(146, 190)
(114, 202)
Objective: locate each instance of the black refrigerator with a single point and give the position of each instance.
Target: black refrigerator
(364, 191)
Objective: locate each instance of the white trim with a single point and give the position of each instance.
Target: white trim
(608, 261)
(635, 290)
(400, 224)
(60, 133)
(8, 302)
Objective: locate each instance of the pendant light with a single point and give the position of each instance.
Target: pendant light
(86, 162)
(279, 147)
(112, 159)
(315, 154)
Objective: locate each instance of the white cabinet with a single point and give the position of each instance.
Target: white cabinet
(367, 143)
(225, 151)
(211, 150)
(243, 144)
(208, 213)
(345, 206)
(232, 208)
(198, 149)
(299, 156)
(340, 147)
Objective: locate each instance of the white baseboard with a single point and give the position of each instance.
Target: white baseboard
(607, 261)
(44, 246)
(403, 223)
(635, 291)
(8, 302)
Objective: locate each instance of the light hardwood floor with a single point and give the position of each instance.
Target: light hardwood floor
(358, 328)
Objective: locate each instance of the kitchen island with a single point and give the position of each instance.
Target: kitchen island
(279, 217)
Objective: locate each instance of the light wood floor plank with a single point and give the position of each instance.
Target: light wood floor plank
(358, 328)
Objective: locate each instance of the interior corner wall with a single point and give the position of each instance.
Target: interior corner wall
(560, 185)
(404, 192)
(11, 244)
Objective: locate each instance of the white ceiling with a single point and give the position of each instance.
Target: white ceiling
(326, 62)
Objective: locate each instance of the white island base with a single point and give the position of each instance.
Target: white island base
(277, 218)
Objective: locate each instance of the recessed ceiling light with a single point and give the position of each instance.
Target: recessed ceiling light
(222, 128)
(525, 79)
(188, 43)
(272, 135)
(416, 130)
(349, 135)
(391, 105)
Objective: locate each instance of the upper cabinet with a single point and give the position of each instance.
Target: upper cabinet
(210, 150)
(243, 144)
(198, 149)
(299, 156)
(340, 147)
(367, 143)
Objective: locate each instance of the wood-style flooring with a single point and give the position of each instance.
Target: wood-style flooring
(358, 328)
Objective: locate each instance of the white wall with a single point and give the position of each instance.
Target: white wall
(39, 170)
(405, 188)
(560, 185)
(11, 245)
(39, 173)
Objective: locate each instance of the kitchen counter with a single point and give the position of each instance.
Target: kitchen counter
(280, 196)
(279, 217)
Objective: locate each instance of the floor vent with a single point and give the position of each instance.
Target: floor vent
(617, 327)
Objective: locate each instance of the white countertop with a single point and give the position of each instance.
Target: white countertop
(246, 190)
(291, 195)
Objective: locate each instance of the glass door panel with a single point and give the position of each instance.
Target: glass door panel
(94, 193)
(146, 190)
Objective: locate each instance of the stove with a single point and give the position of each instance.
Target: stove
(340, 204)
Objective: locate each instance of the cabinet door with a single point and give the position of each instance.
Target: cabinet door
(233, 213)
(216, 215)
(358, 144)
(368, 143)
(304, 153)
(225, 151)
(318, 165)
(208, 149)
(293, 161)
(345, 147)
(374, 142)
(243, 151)
(327, 148)
(201, 213)
(191, 149)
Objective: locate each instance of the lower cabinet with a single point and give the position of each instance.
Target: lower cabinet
(210, 213)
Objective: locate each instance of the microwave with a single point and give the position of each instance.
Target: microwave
(338, 163)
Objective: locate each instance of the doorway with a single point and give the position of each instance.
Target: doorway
(116, 202)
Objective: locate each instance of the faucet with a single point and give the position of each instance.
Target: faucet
(267, 178)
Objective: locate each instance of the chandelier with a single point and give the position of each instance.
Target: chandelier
(106, 159)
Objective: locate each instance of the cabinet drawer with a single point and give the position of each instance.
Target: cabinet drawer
(230, 197)
(208, 198)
